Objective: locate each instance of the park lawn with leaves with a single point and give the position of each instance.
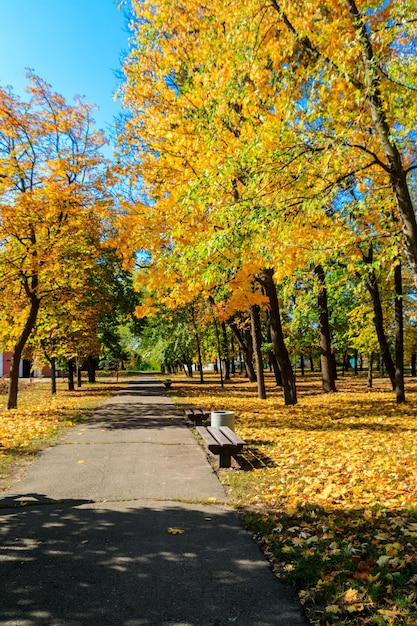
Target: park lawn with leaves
(328, 488)
(40, 418)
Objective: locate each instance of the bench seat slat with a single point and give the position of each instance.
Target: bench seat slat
(233, 438)
(221, 441)
(197, 415)
(208, 437)
(220, 437)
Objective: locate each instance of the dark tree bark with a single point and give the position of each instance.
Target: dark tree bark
(370, 366)
(302, 364)
(399, 336)
(219, 352)
(413, 364)
(20, 345)
(334, 365)
(272, 357)
(355, 362)
(277, 336)
(91, 369)
(198, 344)
(71, 370)
(233, 355)
(79, 380)
(225, 352)
(257, 342)
(188, 368)
(373, 290)
(52, 362)
(326, 358)
(275, 367)
(246, 348)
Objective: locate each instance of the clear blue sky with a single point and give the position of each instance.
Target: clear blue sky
(74, 45)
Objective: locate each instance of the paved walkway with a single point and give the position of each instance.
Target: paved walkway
(84, 536)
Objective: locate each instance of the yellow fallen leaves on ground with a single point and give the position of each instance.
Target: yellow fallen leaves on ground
(40, 417)
(329, 489)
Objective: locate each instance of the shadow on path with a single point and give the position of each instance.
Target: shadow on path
(135, 564)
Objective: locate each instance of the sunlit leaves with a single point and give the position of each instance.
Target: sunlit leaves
(40, 417)
(329, 491)
(55, 207)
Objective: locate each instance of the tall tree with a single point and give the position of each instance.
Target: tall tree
(250, 122)
(363, 54)
(52, 190)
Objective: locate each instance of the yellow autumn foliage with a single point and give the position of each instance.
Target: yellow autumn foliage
(41, 416)
(328, 489)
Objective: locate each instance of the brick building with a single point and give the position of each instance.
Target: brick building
(25, 368)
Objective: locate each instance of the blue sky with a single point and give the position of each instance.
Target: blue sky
(74, 45)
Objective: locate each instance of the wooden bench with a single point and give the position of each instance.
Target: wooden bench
(221, 441)
(197, 415)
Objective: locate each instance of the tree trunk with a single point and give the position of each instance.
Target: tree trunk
(219, 352)
(272, 356)
(370, 364)
(413, 364)
(18, 350)
(225, 352)
(200, 361)
(233, 357)
(78, 366)
(334, 365)
(52, 362)
(372, 286)
(326, 358)
(257, 342)
(246, 349)
(275, 367)
(396, 170)
(71, 369)
(399, 336)
(280, 349)
(189, 366)
(91, 369)
(197, 341)
(370, 88)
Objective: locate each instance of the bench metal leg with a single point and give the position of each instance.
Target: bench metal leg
(225, 460)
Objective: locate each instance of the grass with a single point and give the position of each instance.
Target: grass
(328, 488)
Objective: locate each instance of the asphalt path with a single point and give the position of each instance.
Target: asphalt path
(124, 522)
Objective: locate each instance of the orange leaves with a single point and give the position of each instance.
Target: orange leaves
(55, 206)
(328, 488)
(335, 449)
(41, 417)
(20, 430)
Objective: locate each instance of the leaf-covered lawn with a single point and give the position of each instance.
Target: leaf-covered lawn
(40, 418)
(329, 489)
